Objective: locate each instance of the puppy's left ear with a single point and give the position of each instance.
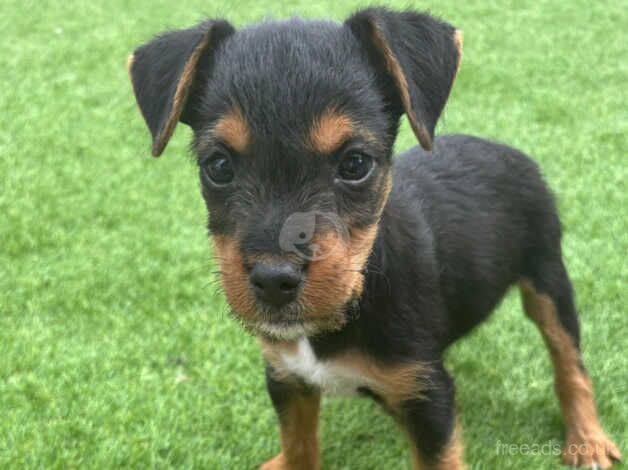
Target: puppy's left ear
(168, 73)
(418, 56)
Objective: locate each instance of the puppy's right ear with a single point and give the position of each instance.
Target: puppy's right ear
(420, 56)
(166, 74)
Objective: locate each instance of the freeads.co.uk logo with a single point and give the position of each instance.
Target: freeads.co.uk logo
(299, 234)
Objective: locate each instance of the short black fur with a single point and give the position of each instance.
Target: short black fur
(461, 224)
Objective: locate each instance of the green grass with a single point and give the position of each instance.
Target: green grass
(114, 347)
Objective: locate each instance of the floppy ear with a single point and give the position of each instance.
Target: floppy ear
(166, 73)
(419, 56)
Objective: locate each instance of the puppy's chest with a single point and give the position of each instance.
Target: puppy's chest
(334, 377)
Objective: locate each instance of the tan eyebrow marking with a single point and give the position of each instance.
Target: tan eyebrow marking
(233, 130)
(330, 131)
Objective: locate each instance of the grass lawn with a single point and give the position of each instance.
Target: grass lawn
(115, 349)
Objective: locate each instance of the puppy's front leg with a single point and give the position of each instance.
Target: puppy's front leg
(297, 409)
(431, 425)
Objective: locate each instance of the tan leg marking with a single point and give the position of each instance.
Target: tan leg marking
(299, 436)
(586, 443)
(233, 276)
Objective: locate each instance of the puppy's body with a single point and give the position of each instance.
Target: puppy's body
(354, 270)
(461, 225)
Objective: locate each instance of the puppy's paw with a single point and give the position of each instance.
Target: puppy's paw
(590, 450)
(276, 463)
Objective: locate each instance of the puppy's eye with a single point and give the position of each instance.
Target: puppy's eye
(218, 169)
(355, 167)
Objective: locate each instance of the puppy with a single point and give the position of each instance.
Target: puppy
(357, 271)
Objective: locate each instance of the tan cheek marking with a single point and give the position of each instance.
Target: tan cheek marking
(337, 278)
(402, 86)
(329, 282)
(233, 276)
(334, 280)
(574, 388)
(329, 132)
(361, 246)
(233, 130)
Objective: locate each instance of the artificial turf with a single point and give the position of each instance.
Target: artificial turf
(115, 348)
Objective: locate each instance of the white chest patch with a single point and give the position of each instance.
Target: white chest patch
(332, 377)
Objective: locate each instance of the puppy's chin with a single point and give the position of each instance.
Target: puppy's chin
(292, 330)
(282, 331)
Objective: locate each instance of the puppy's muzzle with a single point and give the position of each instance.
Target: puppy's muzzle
(276, 284)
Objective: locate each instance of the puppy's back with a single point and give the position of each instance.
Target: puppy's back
(489, 213)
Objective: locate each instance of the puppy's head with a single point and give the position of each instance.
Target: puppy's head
(293, 125)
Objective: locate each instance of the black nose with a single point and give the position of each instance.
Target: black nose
(275, 284)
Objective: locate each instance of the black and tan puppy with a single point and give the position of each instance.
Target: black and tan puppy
(357, 271)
